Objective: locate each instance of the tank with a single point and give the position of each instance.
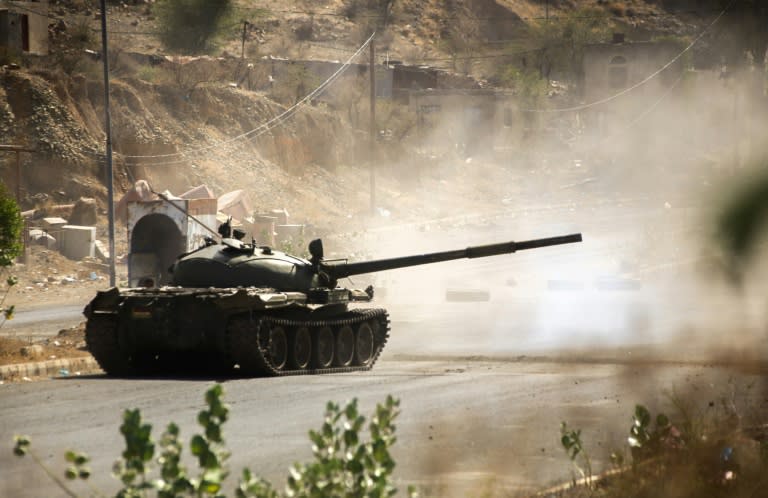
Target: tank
(251, 310)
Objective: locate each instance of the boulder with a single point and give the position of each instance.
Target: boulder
(84, 212)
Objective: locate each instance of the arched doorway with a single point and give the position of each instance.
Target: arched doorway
(156, 241)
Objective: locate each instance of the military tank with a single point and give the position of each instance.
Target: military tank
(239, 307)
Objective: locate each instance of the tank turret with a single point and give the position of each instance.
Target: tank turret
(255, 311)
(235, 264)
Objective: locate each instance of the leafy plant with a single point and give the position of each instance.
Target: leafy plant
(530, 88)
(570, 439)
(561, 40)
(646, 441)
(11, 226)
(192, 26)
(345, 466)
(702, 455)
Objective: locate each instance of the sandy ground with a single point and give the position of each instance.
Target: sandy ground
(46, 281)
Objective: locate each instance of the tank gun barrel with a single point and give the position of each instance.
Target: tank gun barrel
(341, 270)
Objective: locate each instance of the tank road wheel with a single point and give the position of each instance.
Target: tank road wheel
(364, 345)
(101, 338)
(300, 348)
(345, 346)
(323, 347)
(277, 349)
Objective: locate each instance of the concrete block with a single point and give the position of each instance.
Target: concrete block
(53, 223)
(42, 238)
(289, 232)
(281, 215)
(263, 229)
(101, 250)
(77, 242)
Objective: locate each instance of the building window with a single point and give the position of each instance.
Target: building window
(617, 72)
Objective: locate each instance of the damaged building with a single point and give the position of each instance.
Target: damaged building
(23, 29)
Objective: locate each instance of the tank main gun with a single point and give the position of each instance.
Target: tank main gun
(336, 271)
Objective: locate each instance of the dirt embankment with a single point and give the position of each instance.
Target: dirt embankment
(62, 120)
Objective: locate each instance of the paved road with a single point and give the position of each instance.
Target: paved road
(484, 385)
(463, 421)
(42, 321)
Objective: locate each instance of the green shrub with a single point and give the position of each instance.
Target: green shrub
(11, 226)
(147, 73)
(345, 466)
(192, 26)
(685, 459)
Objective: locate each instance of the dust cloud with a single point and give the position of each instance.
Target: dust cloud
(641, 177)
(644, 286)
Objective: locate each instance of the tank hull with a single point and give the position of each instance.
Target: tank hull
(246, 331)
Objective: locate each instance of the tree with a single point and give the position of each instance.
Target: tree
(192, 26)
(561, 40)
(11, 226)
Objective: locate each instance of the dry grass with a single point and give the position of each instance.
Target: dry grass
(69, 343)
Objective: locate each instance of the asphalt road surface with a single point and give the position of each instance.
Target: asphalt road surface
(464, 422)
(576, 333)
(43, 321)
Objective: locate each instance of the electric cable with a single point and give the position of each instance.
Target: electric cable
(640, 83)
(264, 127)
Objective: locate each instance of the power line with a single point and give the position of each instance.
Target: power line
(644, 81)
(498, 18)
(264, 127)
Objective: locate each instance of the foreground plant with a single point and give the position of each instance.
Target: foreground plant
(11, 225)
(344, 465)
(570, 439)
(678, 460)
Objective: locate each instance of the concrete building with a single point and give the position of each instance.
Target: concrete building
(393, 80)
(158, 231)
(23, 28)
(475, 121)
(610, 68)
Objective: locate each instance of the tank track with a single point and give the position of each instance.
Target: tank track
(248, 341)
(101, 337)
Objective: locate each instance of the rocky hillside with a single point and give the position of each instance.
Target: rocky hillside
(307, 165)
(180, 125)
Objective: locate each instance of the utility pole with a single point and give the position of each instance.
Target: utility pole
(373, 131)
(108, 131)
(242, 48)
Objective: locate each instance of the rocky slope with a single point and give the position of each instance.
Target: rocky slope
(197, 127)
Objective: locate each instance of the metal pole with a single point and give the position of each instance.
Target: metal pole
(18, 178)
(25, 230)
(108, 131)
(373, 131)
(242, 48)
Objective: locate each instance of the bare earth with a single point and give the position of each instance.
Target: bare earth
(47, 280)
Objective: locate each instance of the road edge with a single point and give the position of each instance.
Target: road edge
(64, 367)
